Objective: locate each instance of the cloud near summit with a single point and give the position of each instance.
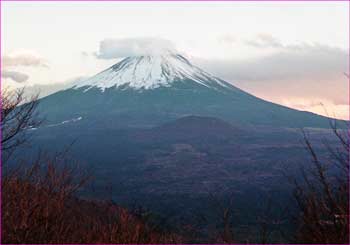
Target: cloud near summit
(119, 48)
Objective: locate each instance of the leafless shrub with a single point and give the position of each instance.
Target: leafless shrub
(323, 197)
(39, 205)
(18, 115)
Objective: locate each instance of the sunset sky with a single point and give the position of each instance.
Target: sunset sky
(292, 53)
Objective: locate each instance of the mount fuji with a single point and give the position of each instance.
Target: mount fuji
(162, 132)
(147, 91)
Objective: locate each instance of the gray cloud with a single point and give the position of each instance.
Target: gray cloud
(119, 48)
(227, 39)
(288, 63)
(264, 40)
(15, 76)
(298, 71)
(23, 60)
(85, 54)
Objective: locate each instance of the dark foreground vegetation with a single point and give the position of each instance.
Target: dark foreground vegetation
(323, 196)
(40, 203)
(39, 206)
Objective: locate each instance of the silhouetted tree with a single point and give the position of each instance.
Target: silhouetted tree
(18, 115)
(323, 195)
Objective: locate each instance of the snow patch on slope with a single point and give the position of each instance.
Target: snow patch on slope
(66, 121)
(73, 120)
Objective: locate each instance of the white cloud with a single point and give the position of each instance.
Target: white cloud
(120, 48)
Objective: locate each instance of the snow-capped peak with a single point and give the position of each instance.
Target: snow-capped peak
(150, 72)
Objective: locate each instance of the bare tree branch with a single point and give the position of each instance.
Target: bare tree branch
(18, 115)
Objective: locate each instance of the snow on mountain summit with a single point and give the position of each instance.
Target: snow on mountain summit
(150, 72)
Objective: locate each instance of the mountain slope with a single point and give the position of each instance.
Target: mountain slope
(147, 91)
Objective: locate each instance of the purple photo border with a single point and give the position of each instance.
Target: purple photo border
(174, 0)
(0, 123)
(1, 20)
